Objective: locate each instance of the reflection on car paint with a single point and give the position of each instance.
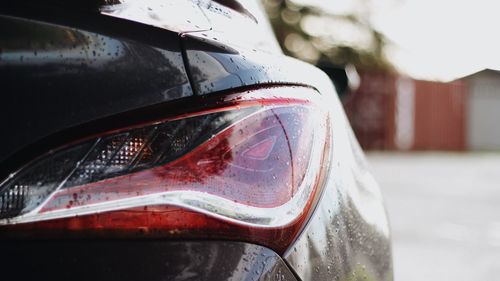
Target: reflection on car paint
(174, 15)
(349, 232)
(73, 73)
(348, 236)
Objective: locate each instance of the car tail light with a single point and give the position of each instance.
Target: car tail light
(248, 168)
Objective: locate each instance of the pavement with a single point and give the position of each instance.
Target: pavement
(444, 210)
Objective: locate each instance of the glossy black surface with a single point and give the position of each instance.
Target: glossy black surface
(140, 260)
(347, 237)
(56, 77)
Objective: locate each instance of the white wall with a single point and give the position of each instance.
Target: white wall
(484, 111)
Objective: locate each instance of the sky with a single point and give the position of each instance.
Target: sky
(433, 39)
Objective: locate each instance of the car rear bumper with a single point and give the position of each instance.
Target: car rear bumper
(140, 260)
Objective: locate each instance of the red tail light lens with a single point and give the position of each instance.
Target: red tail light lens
(247, 169)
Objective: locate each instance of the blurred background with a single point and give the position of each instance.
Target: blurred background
(420, 83)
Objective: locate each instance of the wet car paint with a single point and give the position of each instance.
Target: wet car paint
(174, 15)
(347, 237)
(214, 67)
(68, 76)
(143, 260)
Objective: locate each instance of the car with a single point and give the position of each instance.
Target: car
(173, 140)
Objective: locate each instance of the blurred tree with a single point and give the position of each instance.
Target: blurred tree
(317, 35)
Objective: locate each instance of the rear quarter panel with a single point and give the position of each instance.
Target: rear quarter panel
(348, 236)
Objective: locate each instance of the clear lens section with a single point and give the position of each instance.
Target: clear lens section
(106, 157)
(25, 191)
(249, 164)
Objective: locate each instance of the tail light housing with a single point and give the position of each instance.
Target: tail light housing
(249, 167)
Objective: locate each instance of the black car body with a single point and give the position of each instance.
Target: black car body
(108, 105)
